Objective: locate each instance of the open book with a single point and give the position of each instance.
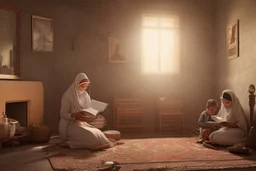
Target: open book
(217, 119)
(95, 108)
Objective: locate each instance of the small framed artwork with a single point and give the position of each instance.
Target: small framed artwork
(233, 39)
(115, 54)
(42, 34)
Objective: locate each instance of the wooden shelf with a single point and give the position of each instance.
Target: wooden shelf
(128, 114)
(170, 115)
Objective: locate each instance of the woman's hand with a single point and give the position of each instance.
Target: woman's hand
(229, 125)
(85, 119)
(225, 124)
(76, 115)
(81, 117)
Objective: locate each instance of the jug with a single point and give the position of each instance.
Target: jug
(7, 127)
(4, 127)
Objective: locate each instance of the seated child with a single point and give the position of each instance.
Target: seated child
(207, 125)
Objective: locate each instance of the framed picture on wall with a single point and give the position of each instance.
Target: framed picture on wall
(233, 39)
(115, 54)
(42, 34)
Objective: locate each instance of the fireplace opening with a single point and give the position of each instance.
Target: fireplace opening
(17, 111)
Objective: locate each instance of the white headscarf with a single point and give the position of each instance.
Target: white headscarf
(235, 113)
(80, 100)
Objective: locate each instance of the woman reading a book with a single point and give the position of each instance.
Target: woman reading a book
(232, 118)
(74, 127)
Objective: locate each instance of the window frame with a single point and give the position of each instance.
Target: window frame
(177, 42)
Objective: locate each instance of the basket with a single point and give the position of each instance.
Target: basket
(40, 134)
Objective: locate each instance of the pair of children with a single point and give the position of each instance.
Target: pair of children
(206, 124)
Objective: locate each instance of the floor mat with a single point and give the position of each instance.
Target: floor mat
(144, 154)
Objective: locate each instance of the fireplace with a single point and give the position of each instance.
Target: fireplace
(22, 101)
(17, 111)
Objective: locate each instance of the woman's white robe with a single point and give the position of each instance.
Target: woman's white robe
(235, 114)
(78, 134)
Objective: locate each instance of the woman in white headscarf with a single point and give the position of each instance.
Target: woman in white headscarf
(234, 129)
(73, 127)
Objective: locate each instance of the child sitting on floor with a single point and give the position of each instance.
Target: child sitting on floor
(207, 125)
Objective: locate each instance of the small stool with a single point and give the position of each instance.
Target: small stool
(112, 134)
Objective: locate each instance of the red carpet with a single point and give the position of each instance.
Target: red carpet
(141, 154)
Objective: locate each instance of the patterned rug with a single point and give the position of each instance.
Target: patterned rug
(148, 154)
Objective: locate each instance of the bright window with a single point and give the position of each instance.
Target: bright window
(160, 44)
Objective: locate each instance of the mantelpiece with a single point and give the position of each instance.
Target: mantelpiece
(23, 91)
